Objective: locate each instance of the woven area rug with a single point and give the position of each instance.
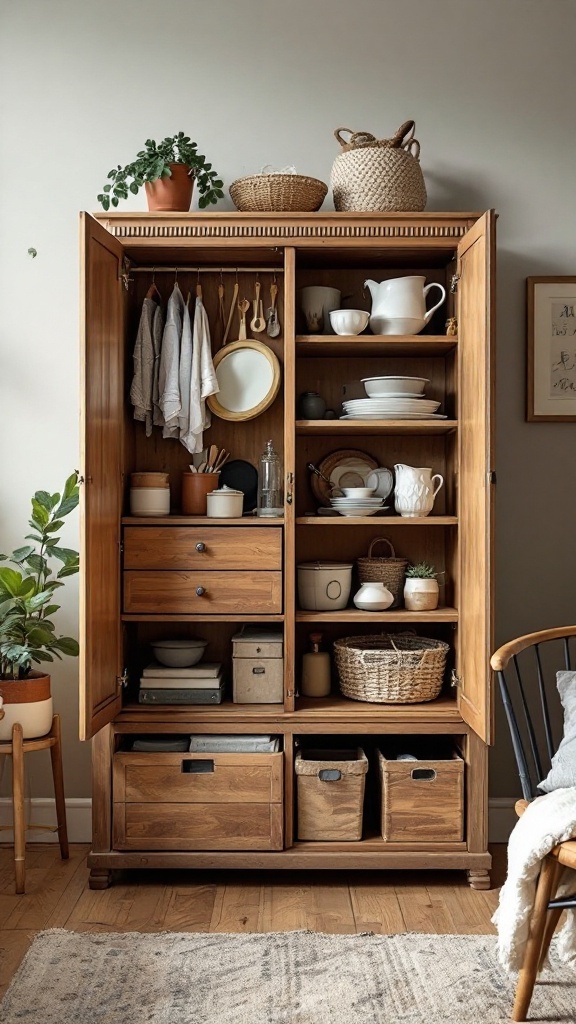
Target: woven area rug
(281, 978)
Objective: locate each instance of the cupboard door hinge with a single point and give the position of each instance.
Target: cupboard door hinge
(454, 283)
(125, 273)
(455, 679)
(122, 681)
(491, 474)
(289, 486)
(292, 693)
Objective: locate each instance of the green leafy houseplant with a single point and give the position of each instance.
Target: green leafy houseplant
(153, 162)
(422, 571)
(27, 632)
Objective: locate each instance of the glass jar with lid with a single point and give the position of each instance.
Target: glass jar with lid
(270, 488)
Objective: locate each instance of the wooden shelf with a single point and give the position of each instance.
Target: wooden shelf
(377, 520)
(179, 520)
(340, 710)
(199, 617)
(313, 345)
(334, 428)
(399, 615)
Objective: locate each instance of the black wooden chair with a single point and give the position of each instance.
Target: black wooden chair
(526, 670)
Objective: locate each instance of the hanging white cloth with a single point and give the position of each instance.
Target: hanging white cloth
(146, 349)
(547, 821)
(201, 382)
(169, 401)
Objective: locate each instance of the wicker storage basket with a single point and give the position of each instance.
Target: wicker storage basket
(388, 570)
(378, 174)
(386, 669)
(278, 193)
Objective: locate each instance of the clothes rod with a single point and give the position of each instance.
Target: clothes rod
(207, 270)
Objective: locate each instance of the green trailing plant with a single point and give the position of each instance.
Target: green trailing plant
(422, 571)
(153, 162)
(27, 632)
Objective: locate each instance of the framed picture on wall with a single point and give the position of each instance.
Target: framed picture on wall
(551, 306)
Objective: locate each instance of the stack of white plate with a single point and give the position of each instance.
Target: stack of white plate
(357, 506)
(390, 408)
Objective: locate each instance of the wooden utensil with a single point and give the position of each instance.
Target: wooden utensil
(212, 456)
(243, 307)
(258, 323)
(272, 321)
(231, 313)
(221, 459)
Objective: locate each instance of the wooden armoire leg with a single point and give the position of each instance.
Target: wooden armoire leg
(479, 879)
(100, 878)
(58, 776)
(18, 805)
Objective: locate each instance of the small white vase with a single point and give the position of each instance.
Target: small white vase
(373, 597)
(420, 595)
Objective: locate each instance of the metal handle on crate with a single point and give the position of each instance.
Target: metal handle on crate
(329, 775)
(423, 774)
(258, 671)
(203, 767)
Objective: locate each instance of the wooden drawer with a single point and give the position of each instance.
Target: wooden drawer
(197, 547)
(197, 801)
(422, 801)
(219, 593)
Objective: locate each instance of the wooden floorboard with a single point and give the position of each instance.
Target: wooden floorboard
(57, 896)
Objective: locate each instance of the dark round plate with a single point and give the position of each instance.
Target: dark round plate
(242, 476)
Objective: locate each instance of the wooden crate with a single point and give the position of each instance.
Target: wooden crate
(331, 787)
(422, 801)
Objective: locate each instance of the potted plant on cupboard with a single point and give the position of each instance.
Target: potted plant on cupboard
(167, 169)
(27, 632)
(421, 589)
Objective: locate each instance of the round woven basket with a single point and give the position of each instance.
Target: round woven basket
(278, 193)
(372, 175)
(388, 570)
(386, 669)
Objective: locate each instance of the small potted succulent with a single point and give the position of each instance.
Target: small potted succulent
(167, 169)
(421, 588)
(27, 633)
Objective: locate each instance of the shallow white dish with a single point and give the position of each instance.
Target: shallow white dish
(400, 384)
(349, 321)
(356, 502)
(179, 653)
(359, 492)
(395, 416)
(382, 480)
(401, 404)
(360, 512)
(351, 472)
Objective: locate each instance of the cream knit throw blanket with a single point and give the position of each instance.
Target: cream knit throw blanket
(547, 821)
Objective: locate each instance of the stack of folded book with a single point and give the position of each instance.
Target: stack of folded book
(199, 684)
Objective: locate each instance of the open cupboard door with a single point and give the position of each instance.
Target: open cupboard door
(102, 362)
(475, 491)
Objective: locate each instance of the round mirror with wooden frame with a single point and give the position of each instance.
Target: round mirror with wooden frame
(248, 374)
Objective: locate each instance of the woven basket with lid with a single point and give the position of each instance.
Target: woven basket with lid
(388, 569)
(390, 669)
(375, 175)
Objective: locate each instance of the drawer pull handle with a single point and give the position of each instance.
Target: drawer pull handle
(200, 591)
(329, 775)
(200, 546)
(205, 767)
(424, 774)
(258, 671)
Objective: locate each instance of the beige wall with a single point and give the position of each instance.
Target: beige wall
(491, 86)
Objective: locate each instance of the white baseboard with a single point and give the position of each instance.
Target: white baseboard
(42, 811)
(501, 819)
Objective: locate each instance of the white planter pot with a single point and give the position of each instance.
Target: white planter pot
(33, 714)
(421, 595)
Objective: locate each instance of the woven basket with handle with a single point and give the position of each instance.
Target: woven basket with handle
(390, 669)
(388, 570)
(373, 174)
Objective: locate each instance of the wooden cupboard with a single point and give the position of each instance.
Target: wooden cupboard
(144, 578)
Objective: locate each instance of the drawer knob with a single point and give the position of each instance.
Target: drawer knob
(200, 591)
(200, 546)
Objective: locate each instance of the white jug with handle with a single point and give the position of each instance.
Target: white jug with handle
(415, 492)
(401, 299)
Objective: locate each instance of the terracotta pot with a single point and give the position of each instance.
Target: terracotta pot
(173, 193)
(28, 702)
(195, 488)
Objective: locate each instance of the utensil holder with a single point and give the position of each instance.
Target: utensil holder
(195, 488)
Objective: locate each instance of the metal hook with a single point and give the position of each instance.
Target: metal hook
(175, 275)
(154, 276)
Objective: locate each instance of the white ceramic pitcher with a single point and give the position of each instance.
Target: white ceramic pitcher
(414, 492)
(401, 298)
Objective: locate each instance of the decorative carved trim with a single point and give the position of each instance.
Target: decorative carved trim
(283, 227)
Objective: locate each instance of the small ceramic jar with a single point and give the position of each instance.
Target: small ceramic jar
(225, 503)
(420, 595)
(373, 597)
(311, 406)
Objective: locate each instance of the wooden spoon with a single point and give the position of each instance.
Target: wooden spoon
(243, 307)
(212, 455)
(231, 313)
(258, 323)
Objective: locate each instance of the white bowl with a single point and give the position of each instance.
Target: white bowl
(396, 325)
(380, 387)
(179, 653)
(359, 492)
(349, 321)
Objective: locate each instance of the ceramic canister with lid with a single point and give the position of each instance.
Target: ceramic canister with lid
(324, 586)
(225, 503)
(149, 494)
